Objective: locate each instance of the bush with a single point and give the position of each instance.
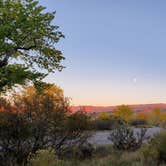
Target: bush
(124, 138)
(108, 123)
(102, 124)
(84, 151)
(43, 158)
(77, 152)
(148, 155)
(38, 120)
(154, 152)
(138, 122)
(15, 139)
(78, 121)
(116, 158)
(163, 124)
(159, 142)
(103, 150)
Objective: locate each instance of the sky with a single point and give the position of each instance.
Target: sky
(115, 51)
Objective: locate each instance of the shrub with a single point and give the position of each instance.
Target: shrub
(84, 151)
(78, 121)
(108, 123)
(38, 120)
(138, 122)
(77, 152)
(102, 124)
(103, 150)
(124, 138)
(159, 142)
(44, 158)
(148, 155)
(163, 124)
(15, 139)
(154, 152)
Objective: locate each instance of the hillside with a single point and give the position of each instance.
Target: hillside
(136, 108)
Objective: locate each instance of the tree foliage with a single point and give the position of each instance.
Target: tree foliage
(124, 112)
(104, 115)
(38, 119)
(16, 140)
(27, 38)
(11, 75)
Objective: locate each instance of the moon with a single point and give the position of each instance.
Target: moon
(134, 80)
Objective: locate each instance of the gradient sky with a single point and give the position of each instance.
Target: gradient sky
(115, 50)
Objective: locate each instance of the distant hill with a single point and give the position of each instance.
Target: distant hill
(137, 108)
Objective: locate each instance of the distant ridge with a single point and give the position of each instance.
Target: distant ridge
(135, 107)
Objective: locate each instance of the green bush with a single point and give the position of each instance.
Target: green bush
(163, 124)
(154, 152)
(138, 122)
(159, 142)
(108, 123)
(124, 138)
(103, 150)
(78, 152)
(149, 155)
(78, 121)
(102, 124)
(43, 158)
(116, 158)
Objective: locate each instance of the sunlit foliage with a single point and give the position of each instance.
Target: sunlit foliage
(123, 112)
(104, 115)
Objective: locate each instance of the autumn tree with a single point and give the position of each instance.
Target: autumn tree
(53, 120)
(156, 116)
(47, 110)
(104, 115)
(142, 116)
(34, 120)
(27, 42)
(124, 112)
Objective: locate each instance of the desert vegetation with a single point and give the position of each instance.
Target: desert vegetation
(37, 127)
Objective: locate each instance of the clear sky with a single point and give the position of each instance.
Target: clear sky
(115, 50)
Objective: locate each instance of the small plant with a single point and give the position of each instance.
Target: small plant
(77, 152)
(43, 158)
(138, 122)
(103, 150)
(85, 151)
(149, 155)
(124, 138)
(159, 142)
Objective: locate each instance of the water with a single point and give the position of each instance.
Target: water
(101, 137)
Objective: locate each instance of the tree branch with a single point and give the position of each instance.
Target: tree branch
(26, 48)
(4, 62)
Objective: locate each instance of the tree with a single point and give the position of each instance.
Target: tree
(27, 42)
(15, 138)
(33, 120)
(78, 121)
(124, 112)
(47, 110)
(156, 116)
(16, 74)
(104, 115)
(142, 116)
(54, 124)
